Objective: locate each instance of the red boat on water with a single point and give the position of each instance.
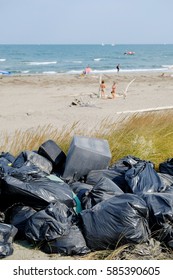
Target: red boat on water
(129, 53)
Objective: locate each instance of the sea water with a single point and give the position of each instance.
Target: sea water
(71, 59)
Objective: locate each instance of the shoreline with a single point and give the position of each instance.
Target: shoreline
(137, 71)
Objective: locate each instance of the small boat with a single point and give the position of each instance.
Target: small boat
(129, 53)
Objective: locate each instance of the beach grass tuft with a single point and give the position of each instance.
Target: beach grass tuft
(148, 136)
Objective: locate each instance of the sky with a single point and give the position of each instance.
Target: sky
(86, 21)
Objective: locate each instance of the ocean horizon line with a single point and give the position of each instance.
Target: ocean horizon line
(80, 44)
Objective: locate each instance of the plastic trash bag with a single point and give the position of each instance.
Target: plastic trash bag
(120, 219)
(5, 168)
(79, 186)
(8, 156)
(24, 172)
(166, 166)
(117, 176)
(37, 193)
(115, 172)
(167, 180)
(7, 234)
(52, 222)
(27, 173)
(18, 216)
(142, 177)
(28, 158)
(160, 207)
(123, 164)
(71, 244)
(102, 190)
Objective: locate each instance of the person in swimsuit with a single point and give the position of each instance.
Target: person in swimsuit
(113, 91)
(102, 89)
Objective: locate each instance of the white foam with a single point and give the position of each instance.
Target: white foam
(41, 62)
(97, 59)
(109, 71)
(168, 66)
(2, 59)
(25, 71)
(77, 61)
(49, 72)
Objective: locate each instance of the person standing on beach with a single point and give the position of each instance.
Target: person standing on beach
(113, 91)
(102, 89)
(118, 68)
(87, 70)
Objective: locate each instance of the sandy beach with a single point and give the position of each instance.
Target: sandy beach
(62, 100)
(31, 101)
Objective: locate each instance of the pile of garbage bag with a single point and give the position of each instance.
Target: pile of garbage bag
(75, 203)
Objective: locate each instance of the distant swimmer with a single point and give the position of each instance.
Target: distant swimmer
(129, 53)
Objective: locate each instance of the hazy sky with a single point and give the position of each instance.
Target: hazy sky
(86, 21)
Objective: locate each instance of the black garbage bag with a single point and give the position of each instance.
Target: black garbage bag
(103, 190)
(166, 166)
(8, 156)
(79, 186)
(37, 193)
(116, 172)
(7, 234)
(26, 173)
(3, 162)
(118, 220)
(116, 176)
(71, 244)
(142, 177)
(167, 180)
(80, 189)
(164, 234)
(28, 158)
(52, 222)
(5, 168)
(160, 207)
(124, 163)
(2, 217)
(18, 216)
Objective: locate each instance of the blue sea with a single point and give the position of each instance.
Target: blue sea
(71, 59)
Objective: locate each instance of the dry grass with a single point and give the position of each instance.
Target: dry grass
(147, 136)
(132, 252)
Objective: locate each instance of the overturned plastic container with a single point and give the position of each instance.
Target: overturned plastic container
(86, 154)
(54, 154)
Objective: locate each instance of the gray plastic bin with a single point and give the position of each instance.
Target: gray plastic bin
(86, 154)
